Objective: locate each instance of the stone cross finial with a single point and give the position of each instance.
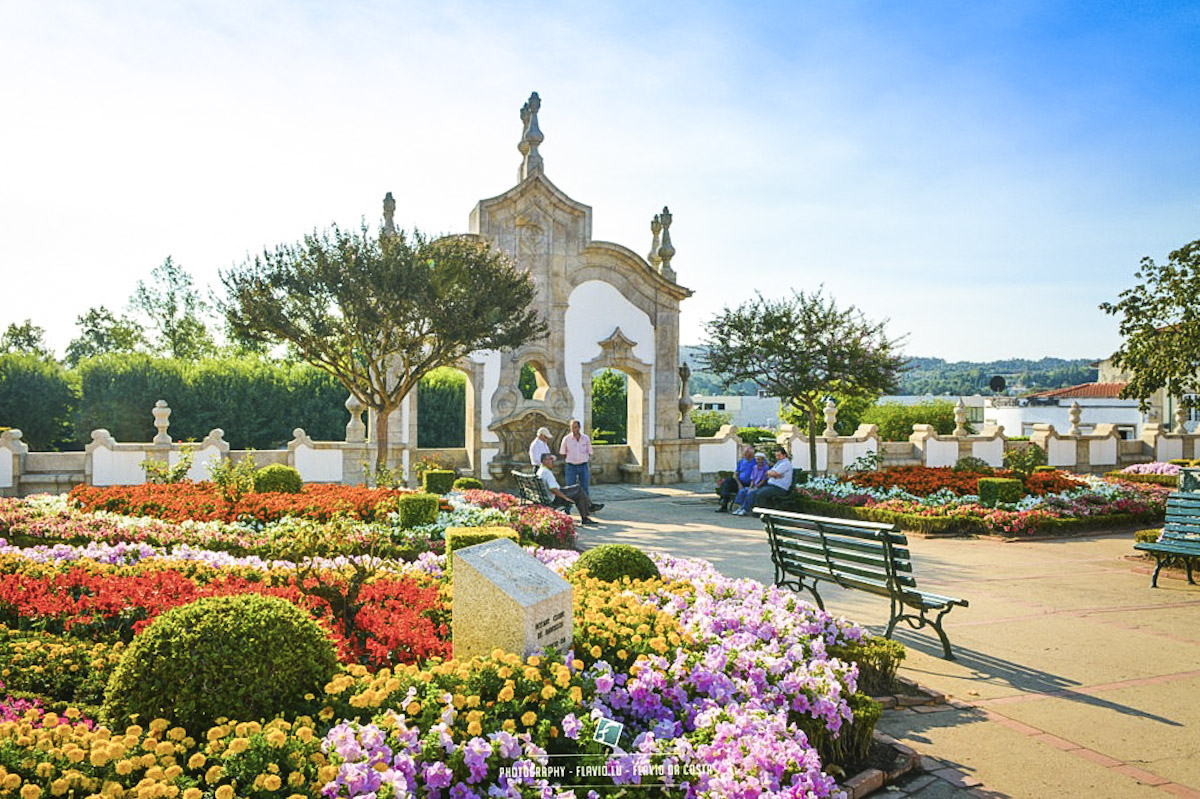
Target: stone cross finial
(656, 230)
(531, 137)
(1074, 415)
(665, 250)
(389, 211)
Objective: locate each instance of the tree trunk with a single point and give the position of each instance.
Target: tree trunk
(381, 438)
(812, 439)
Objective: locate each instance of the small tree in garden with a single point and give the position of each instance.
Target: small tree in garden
(1160, 324)
(801, 349)
(176, 312)
(380, 311)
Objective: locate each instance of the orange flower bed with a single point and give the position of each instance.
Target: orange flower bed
(203, 502)
(922, 481)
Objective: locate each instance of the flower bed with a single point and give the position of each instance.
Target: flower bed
(724, 685)
(1091, 504)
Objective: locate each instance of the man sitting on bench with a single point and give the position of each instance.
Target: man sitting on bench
(574, 493)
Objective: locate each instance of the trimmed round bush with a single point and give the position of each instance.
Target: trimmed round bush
(468, 484)
(246, 656)
(970, 463)
(278, 478)
(438, 481)
(611, 562)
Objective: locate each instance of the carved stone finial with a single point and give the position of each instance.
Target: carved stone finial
(162, 415)
(1074, 415)
(531, 137)
(830, 430)
(960, 418)
(656, 230)
(356, 431)
(389, 211)
(1181, 415)
(666, 251)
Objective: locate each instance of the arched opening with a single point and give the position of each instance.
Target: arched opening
(442, 409)
(610, 407)
(532, 382)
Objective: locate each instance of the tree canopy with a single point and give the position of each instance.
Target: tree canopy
(101, 332)
(379, 311)
(803, 349)
(176, 312)
(26, 338)
(1160, 325)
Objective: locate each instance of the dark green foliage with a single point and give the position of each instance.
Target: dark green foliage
(417, 509)
(610, 405)
(1158, 479)
(442, 409)
(754, 435)
(709, 423)
(176, 312)
(101, 332)
(256, 402)
(1024, 460)
(878, 661)
(994, 490)
(37, 397)
(937, 376)
(25, 338)
(853, 740)
(612, 562)
(896, 421)
(970, 463)
(1160, 325)
(850, 410)
(278, 478)
(1037, 469)
(246, 657)
(463, 537)
(438, 481)
(467, 484)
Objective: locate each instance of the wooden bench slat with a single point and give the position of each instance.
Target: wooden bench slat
(1179, 541)
(865, 553)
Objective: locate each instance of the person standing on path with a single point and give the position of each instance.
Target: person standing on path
(540, 446)
(576, 449)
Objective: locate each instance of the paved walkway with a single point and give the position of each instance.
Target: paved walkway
(1074, 678)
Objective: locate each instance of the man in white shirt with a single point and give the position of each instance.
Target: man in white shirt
(540, 446)
(574, 494)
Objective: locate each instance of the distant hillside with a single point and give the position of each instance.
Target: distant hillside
(936, 376)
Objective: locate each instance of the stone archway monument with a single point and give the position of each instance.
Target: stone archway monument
(606, 307)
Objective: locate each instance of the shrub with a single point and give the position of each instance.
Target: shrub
(1147, 536)
(243, 656)
(1024, 460)
(853, 740)
(896, 421)
(1171, 480)
(468, 484)
(973, 465)
(878, 660)
(994, 490)
(442, 408)
(611, 562)
(709, 423)
(754, 435)
(438, 481)
(37, 397)
(417, 509)
(278, 478)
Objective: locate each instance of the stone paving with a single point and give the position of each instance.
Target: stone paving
(1074, 678)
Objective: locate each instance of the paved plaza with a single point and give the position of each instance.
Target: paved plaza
(1074, 678)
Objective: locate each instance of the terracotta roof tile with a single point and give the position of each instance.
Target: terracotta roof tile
(1084, 390)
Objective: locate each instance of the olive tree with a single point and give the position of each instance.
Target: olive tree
(802, 349)
(379, 311)
(1160, 325)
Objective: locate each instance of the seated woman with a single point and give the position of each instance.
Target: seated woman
(728, 488)
(778, 483)
(758, 479)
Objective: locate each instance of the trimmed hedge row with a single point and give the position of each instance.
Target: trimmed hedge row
(1171, 480)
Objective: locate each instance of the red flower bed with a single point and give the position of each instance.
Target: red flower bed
(203, 502)
(398, 623)
(922, 481)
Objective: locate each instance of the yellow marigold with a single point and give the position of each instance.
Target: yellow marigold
(124, 767)
(534, 660)
(458, 701)
(577, 664)
(414, 707)
(508, 725)
(30, 791)
(148, 761)
(529, 718)
(576, 693)
(548, 692)
(327, 772)
(326, 713)
(474, 728)
(172, 771)
(297, 796)
(532, 674)
(295, 779)
(155, 773)
(197, 761)
(506, 694)
(59, 787)
(272, 782)
(164, 748)
(177, 734)
(44, 769)
(596, 651)
(224, 792)
(11, 782)
(214, 774)
(192, 793)
(304, 734)
(277, 738)
(238, 745)
(75, 754)
(159, 725)
(472, 701)
(504, 672)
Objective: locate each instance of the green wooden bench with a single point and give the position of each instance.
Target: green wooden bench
(866, 556)
(532, 491)
(1179, 543)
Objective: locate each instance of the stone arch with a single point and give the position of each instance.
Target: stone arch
(616, 352)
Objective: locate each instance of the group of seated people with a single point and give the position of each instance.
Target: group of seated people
(754, 482)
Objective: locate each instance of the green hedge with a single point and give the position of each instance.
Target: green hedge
(257, 403)
(896, 421)
(1171, 480)
(994, 490)
(438, 481)
(37, 397)
(442, 409)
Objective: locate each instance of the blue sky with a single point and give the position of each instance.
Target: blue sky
(982, 174)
